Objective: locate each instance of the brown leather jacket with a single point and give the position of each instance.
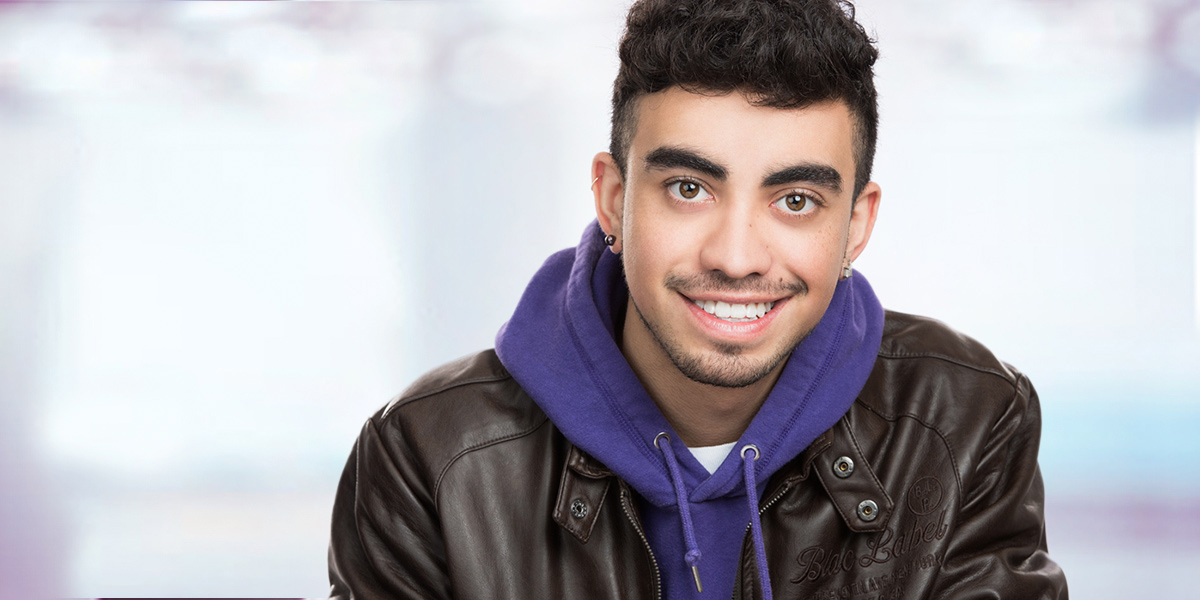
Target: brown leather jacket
(462, 488)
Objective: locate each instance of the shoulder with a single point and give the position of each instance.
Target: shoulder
(917, 340)
(939, 394)
(928, 371)
(474, 374)
(463, 406)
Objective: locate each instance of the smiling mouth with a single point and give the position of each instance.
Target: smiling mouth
(735, 313)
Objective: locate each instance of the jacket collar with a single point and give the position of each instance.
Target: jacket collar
(850, 480)
(584, 484)
(836, 456)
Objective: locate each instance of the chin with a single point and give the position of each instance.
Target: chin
(725, 368)
(727, 365)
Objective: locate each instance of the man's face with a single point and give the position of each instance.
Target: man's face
(734, 224)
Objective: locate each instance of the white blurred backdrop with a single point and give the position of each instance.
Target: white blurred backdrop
(230, 231)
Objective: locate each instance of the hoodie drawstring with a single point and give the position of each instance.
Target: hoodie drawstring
(760, 549)
(685, 513)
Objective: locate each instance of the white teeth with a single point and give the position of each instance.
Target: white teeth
(744, 312)
(722, 310)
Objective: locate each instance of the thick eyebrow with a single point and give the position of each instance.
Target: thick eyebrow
(813, 173)
(673, 158)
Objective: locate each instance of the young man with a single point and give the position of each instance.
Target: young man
(703, 399)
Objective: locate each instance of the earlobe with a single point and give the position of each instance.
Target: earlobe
(862, 220)
(608, 189)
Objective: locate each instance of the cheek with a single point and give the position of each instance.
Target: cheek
(645, 259)
(639, 247)
(817, 256)
(652, 237)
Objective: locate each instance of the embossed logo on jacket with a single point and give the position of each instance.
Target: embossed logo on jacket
(817, 562)
(924, 497)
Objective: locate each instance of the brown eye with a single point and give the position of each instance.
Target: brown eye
(689, 192)
(796, 202)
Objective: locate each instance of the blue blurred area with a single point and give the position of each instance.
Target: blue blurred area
(1123, 440)
(230, 231)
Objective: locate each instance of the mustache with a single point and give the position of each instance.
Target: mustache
(716, 281)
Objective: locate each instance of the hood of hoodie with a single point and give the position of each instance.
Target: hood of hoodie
(560, 347)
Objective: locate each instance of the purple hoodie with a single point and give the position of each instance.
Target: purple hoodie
(560, 346)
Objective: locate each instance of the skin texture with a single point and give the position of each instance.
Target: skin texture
(724, 200)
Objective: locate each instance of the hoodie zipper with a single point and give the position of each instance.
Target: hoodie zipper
(642, 534)
(762, 509)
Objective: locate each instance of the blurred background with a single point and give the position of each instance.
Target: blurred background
(230, 231)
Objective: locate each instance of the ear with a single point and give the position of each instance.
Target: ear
(609, 190)
(862, 220)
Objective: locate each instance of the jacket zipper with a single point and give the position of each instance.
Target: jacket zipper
(773, 500)
(642, 534)
(762, 509)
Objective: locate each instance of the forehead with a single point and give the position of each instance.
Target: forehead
(748, 139)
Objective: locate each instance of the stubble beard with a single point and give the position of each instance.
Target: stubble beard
(725, 366)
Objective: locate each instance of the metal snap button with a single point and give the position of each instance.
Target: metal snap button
(579, 509)
(843, 467)
(868, 510)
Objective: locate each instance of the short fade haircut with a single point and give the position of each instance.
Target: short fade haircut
(780, 53)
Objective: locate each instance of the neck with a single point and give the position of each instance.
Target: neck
(702, 414)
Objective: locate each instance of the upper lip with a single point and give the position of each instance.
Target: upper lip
(731, 299)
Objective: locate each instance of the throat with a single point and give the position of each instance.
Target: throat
(709, 417)
(702, 414)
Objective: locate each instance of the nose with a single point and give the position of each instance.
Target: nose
(736, 244)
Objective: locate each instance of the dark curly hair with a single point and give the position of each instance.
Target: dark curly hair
(780, 53)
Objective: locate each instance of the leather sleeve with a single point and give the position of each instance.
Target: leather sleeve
(999, 548)
(386, 539)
